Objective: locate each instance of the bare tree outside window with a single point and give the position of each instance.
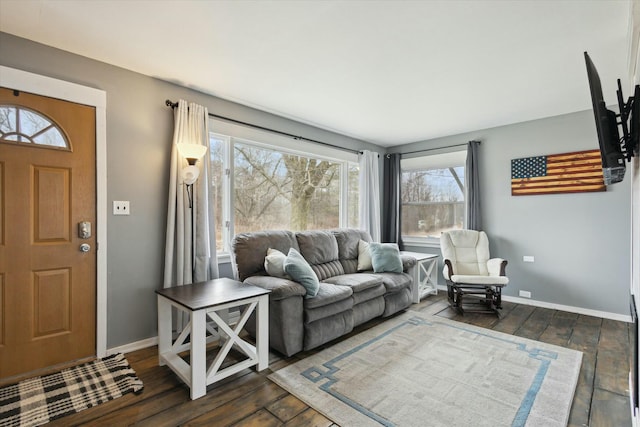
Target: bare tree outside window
(432, 201)
(255, 186)
(274, 190)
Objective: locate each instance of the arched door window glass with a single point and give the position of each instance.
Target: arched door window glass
(23, 126)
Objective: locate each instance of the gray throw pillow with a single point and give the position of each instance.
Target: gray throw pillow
(300, 271)
(385, 257)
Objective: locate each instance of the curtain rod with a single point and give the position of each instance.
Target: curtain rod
(296, 137)
(433, 149)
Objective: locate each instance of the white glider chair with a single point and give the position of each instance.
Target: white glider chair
(474, 280)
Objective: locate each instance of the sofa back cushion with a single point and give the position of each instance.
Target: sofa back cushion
(348, 240)
(320, 249)
(250, 249)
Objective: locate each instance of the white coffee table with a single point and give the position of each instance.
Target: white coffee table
(204, 303)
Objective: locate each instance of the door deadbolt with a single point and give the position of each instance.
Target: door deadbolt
(84, 230)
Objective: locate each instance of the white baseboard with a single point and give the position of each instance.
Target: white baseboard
(134, 346)
(568, 308)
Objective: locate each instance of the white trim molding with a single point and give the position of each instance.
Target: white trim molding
(561, 307)
(47, 86)
(568, 308)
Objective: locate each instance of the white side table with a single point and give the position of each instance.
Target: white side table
(208, 302)
(425, 275)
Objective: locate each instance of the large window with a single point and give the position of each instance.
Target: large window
(258, 185)
(432, 196)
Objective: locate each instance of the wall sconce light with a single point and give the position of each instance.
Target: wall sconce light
(192, 153)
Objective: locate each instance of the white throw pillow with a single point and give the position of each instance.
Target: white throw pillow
(274, 263)
(364, 256)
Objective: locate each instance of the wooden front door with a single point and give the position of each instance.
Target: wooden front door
(47, 187)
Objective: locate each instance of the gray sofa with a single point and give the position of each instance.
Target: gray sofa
(346, 298)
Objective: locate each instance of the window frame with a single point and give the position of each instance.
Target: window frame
(440, 159)
(233, 133)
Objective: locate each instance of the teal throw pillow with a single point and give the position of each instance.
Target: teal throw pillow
(385, 257)
(300, 271)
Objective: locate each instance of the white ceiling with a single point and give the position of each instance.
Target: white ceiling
(387, 72)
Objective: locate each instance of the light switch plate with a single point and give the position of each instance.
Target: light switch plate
(528, 258)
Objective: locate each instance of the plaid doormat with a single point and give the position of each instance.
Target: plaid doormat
(39, 400)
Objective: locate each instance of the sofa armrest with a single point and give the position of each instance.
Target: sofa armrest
(280, 288)
(497, 266)
(407, 262)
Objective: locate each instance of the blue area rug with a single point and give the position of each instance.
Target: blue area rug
(422, 370)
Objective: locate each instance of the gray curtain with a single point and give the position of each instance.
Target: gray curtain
(391, 201)
(473, 218)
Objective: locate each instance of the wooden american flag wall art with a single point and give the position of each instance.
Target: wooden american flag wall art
(575, 172)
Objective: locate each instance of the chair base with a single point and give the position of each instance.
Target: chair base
(465, 297)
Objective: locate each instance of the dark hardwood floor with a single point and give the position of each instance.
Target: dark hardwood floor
(250, 399)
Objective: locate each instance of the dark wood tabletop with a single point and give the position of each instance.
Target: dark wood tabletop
(213, 292)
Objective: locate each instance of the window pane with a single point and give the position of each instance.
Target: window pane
(26, 126)
(31, 123)
(432, 201)
(51, 137)
(276, 190)
(7, 119)
(217, 145)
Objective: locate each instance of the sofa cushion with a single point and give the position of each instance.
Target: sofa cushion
(328, 270)
(328, 294)
(280, 288)
(395, 282)
(348, 240)
(357, 281)
(385, 257)
(368, 294)
(320, 249)
(249, 250)
(317, 247)
(300, 271)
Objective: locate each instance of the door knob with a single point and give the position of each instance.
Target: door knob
(85, 247)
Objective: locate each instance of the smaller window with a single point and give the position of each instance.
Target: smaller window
(23, 126)
(433, 196)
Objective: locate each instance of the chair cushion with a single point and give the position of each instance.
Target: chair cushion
(385, 257)
(480, 280)
(300, 271)
(468, 251)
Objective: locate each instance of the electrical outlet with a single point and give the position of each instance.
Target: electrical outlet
(528, 258)
(525, 294)
(121, 207)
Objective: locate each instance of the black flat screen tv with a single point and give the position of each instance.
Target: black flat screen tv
(613, 165)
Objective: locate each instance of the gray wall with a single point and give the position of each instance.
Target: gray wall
(581, 242)
(139, 133)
